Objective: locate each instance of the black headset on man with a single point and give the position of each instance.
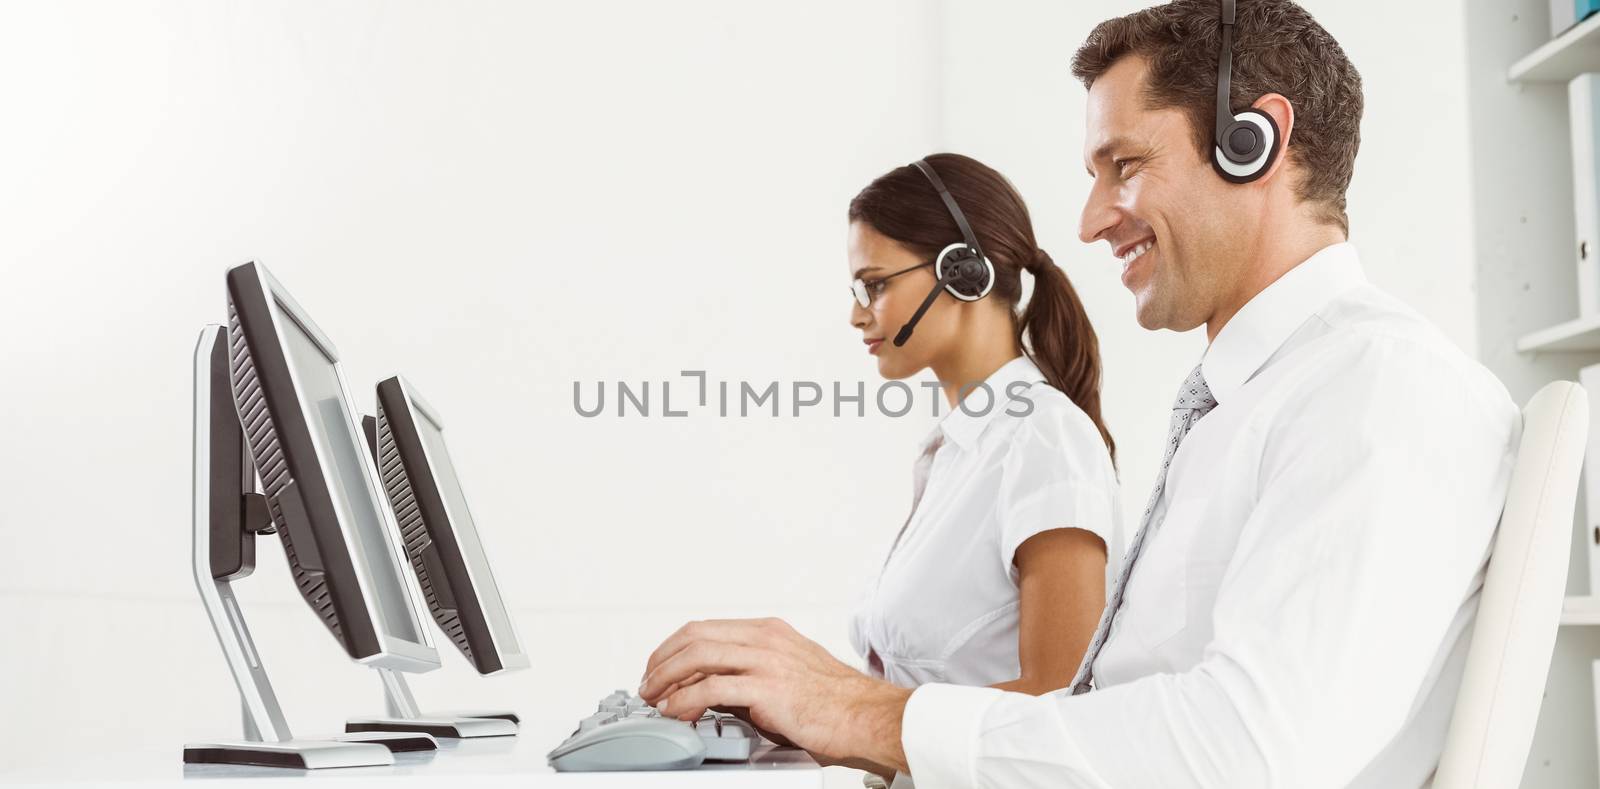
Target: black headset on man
(1247, 142)
(1246, 146)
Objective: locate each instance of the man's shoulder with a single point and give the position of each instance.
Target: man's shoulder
(1367, 341)
(1368, 315)
(1367, 379)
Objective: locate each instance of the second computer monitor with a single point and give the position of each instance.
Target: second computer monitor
(407, 439)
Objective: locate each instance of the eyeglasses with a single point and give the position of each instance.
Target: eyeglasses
(868, 290)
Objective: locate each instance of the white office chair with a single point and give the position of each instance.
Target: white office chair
(1509, 658)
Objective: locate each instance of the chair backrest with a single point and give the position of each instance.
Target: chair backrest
(1509, 658)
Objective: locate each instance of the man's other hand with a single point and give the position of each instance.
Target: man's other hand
(790, 684)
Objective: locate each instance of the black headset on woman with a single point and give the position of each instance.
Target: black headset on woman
(961, 268)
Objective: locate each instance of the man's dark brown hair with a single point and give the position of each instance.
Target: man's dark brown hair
(1277, 48)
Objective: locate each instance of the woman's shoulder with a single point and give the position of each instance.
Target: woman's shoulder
(1044, 415)
(1056, 470)
(1048, 413)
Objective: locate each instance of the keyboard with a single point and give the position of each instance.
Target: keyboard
(648, 741)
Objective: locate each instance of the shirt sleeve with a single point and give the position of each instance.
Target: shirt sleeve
(1362, 552)
(949, 733)
(1056, 474)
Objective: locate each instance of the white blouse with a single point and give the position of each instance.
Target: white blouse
(945, 606)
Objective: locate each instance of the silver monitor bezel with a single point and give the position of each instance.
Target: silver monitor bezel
(394, 652)
(420, 408)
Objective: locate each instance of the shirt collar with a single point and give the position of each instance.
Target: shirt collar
(962, 428)
(1261, 327)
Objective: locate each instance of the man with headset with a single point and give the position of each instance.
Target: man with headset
(1294, 607)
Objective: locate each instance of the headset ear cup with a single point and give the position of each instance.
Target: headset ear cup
(974, 274)
(1245, 172)
(976, 280)
(985, 278)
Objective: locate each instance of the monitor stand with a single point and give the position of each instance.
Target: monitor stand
(402, 716)
(226, 522)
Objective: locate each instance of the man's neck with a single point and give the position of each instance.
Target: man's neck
(1274, 257)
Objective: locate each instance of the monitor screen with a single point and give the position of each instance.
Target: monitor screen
(339, 445)
(466, 532)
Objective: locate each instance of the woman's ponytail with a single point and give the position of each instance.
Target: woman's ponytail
(1063, 343)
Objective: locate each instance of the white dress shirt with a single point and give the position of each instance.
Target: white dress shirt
(1301, 617)
(993, 473)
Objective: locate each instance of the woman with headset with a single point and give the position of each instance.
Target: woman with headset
(998, 575)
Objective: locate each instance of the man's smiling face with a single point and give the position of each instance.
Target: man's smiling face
(1178, 230)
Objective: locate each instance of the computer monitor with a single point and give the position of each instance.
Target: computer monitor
(322, 490)
(440, 533)
(277, 450)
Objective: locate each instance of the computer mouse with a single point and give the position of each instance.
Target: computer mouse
(631, 744)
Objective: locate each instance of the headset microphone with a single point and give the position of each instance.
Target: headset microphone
(905, 331)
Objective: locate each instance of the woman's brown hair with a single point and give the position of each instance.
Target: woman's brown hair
(1054, 329)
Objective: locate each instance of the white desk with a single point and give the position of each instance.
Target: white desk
(468, 764)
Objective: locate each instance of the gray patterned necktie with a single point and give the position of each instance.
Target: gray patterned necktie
(1194, 401)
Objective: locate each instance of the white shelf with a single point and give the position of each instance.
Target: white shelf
(1575, 336)
(1560, 59)
(1580, 611)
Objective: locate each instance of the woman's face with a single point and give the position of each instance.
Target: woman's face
(873, 256)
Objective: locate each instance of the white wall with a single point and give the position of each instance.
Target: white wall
(498, 199)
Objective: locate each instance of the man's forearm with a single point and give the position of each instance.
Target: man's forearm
(872, 725)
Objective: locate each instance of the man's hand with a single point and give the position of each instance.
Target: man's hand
(791, 686)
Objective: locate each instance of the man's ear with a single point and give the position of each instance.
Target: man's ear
(1282, 113)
